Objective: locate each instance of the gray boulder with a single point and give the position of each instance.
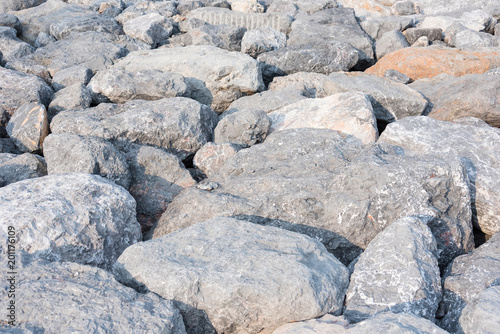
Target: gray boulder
(326, 185)
(28, 127)
(178, 124)
(10, 20)
(391, 41)
(118, 86)
(376, 27)
(102, 304)
(493, 71)
(481, 315)
(150, 28)
(8, 146)
(396, 323)
(157, 177)
(472, 95)
(68, 153)
(260, 40)
(43, 39)
(139, 8)
(190, 24)
(71, 76)
(326, 324)
(12, 47)
(10, 5)
(87, 21)
(268, 100)
(226, 37)
(397, 76)
(20, 88)
(72, 97)
(326, 58)
(404, 8)
(247, 127)
(217, 77)
(225, 275)
(398, 272)
(486, 20)
(211, 157)
(14, 168)
(432, 34)
(471, 144)
(464, 280)
(72, 217)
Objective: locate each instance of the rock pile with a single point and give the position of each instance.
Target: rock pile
(246, 166)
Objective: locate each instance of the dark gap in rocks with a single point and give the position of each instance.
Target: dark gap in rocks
(196, 174)
(381, 125)
(479, 237)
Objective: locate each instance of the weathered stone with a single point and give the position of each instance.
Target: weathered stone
(247, 6)
(71, 76)
(472, 95)
(260, 40)
(432, 34)
(471, 121)
(377, 27)
(478, 16)
(102, 304)
(8, 146)
(72, 217)
(12, 47)
(467, 38)
(20, 88)
(43, 39)
(190, 24)
(157, 177)
(28, 127)
(391, 41)
(398, 272)
(10, 20)
(493, 71)
(14, 168)
(72, 97)
(397, 76)
(210, 158)
(150, 28)
(222, 36)
(310, 7)
(404, 8)
(68, 153)
(178, 124)
(238, 291)
(396, 323)
(445, 22)
(421, 42)
(268, 100)
(164, 8)
(336, 56)
(10, 5)
(119, 86)
(466, 277)
(326, 324)
(471, 144)
(287, 7)
(308, 84)
(88, 21)
(326, 185)
(332, 25)
(349, 113)
(247, 127)
(418, 63)
(187, 6)
(217, 77)
(481, 315)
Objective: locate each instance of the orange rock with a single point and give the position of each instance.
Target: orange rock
(427, 62)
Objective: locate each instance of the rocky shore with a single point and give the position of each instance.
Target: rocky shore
(244, 166)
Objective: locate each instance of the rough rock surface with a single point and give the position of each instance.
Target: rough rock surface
(28, 127)
(418, 63)
(150, 28)
(398, 272)
(268, 100)
(247, 127)
(376, 27)
(69, 153)
(329, 185)
(472, 95)
(222, 36)
(481, 315)
(389, 42)
(211, 157)
(432, 34)
(217, 266)
(178, 124)
(466, 277)
(73, 217)
(260, 40)
(71, 76)
(72, 97)
(473, 145)
(217, 77)
(101, 303)
(14, 168)
(11, 46)
(349, 113)
(118, 86)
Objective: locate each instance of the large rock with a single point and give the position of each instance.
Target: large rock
(472, 95)
(349, 113)
(217, 266)
(10, 20)
(20, 88)
(247, 127)
(260, 40)
(71, 76)
(471, 144)
(465, 278)
(481, 315)
(389, 42)
(14, 168)
(268, 100)
(12, 47)
(397, 272)
(217, 77)
(73, 217)
(72, 97)
(68, 153)
(222, 36)
(28, 127)
(211, 157)
(376, 27)
(150, 28)
(118, 86)
(178, 124)
(10, 5)
(432, 34)
(325, 184)
(418, 63)
(84, 299)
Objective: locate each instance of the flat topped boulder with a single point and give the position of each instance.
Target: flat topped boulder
(217, 77)
(246, 277)
(179, 124)
(427, 62)
(85, 299)
(73, 217)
